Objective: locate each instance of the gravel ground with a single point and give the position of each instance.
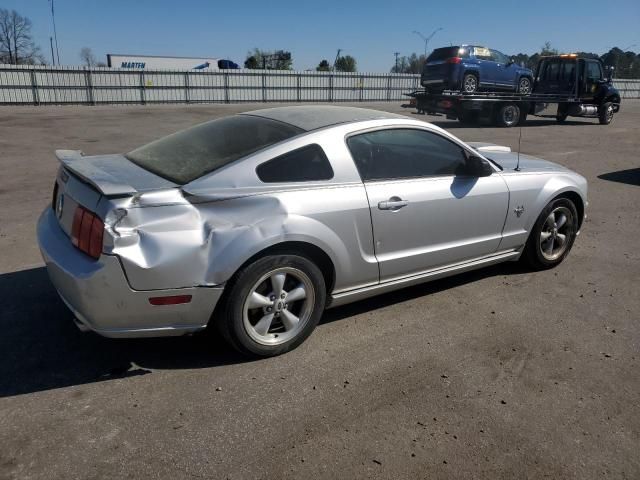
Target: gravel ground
(498, 373)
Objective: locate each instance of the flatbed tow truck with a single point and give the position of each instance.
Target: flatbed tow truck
(564, 86)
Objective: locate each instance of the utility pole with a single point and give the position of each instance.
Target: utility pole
(426, 39)
(53, 58)
(55, 34)
(337, 56)
(396, 54)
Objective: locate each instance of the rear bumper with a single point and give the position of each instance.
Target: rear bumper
(98, 294)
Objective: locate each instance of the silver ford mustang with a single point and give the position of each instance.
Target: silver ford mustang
(257, 222)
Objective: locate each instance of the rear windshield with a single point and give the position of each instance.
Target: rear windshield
(184, 156)
(440, 54)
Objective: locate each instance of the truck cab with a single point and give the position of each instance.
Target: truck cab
(584, 79)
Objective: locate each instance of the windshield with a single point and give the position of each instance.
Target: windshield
(184, 156)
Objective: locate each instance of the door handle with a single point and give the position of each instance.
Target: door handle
(394, 203)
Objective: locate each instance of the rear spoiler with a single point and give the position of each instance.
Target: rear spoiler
(113, 175)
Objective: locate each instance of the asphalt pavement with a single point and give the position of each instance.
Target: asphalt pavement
(497, 373)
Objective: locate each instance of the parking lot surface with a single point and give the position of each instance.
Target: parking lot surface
(498, 373)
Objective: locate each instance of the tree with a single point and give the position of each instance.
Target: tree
(411, 64)
(16, 43)
(278, 60)
(87, 57)
(345, 64)
(323, 66)
(547, 49)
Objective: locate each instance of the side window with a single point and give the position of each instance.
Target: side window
(482, 53)
(305, 164)
(404, 153)
(594, 72)
(551, 71)
(499, 57)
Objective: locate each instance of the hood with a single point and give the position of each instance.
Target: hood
(509, 161)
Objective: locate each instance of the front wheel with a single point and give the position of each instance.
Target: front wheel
(605, 113)
(272, 305)
(552, 235)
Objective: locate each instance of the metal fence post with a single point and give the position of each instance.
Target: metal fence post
(298, 87)
(225, 75)
(331, 87)
(34, 88)
(89, 83)
(142, 95)
(186, 87)
(389, 87)
(264, 87)
(361, 87)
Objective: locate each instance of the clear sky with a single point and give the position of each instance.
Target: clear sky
(368, 30)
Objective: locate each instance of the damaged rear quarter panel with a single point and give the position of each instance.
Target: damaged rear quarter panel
(191, 244)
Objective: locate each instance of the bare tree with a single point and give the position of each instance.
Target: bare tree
(87, 57)
(16, 42)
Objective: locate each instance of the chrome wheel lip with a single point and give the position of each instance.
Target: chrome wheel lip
(556, 233)
(609, 112)
(509, 115)
(279, 306)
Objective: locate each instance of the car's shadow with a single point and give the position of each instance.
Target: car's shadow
(42, 349)
(630, 176)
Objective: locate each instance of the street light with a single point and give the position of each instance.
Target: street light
(426, 39)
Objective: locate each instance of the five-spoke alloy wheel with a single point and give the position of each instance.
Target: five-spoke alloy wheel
(272, 304)
(552, 235)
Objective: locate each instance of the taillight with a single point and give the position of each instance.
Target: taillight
(454, 60)
(86, 232)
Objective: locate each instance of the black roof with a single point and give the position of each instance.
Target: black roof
(312, 117)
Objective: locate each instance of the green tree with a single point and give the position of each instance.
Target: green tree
(323, 66)
(346, 64)
(414, 63)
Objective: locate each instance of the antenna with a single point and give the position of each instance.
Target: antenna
(517, 169)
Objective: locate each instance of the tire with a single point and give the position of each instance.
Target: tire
(605, 113)
(508, 115)
(524, 85)
(470, 83)
(561, 117)
(252, 298)
(541, 250)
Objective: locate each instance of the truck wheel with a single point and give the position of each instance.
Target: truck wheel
(508, 115)
(605, 113)
(561, 117)
(524, 86)
(470, 83)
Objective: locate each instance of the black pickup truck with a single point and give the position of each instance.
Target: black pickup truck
(564, 86)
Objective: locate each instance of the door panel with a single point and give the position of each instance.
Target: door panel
(441, 220)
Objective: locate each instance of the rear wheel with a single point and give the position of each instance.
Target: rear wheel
(470, 83)
(524, 86)
(605, 113)
(273, 305)
(552, 235)
(508, 115)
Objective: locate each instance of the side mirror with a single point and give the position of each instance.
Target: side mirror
(475, 166)
(610, 69)
(510, 62)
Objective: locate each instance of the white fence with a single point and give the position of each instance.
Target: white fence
(68, 85)
(38, 85)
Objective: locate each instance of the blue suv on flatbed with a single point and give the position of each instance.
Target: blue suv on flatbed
(470, 68)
